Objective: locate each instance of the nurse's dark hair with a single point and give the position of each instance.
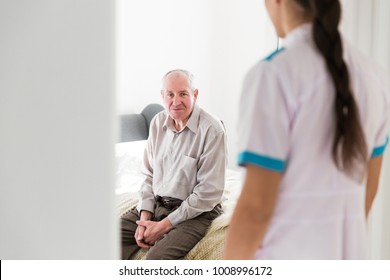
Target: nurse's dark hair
(349, 145)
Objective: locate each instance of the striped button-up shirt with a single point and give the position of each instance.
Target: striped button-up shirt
(189, 164)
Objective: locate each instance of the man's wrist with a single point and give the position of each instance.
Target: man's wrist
(167, 224)
(145, 215)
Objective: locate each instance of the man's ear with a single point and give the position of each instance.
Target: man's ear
(195, 95)
(162, 93)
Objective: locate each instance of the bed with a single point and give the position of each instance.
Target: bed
(129, 153)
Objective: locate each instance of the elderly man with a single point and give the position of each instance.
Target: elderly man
(185, 161)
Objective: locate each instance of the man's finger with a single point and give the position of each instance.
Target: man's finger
(142, 223)
(142, 244)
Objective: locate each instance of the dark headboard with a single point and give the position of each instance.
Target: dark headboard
(135, 127)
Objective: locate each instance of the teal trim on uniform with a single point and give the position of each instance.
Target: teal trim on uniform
(262, 161)
(378, 151)
(272, 55)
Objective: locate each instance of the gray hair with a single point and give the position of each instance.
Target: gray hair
(188, 74)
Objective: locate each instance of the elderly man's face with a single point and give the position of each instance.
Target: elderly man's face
(178, 98)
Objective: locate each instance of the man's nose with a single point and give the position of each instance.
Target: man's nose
(176, 100)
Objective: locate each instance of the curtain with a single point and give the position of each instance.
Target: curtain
(366, 24)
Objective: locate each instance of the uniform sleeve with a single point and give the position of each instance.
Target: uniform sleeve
(381, 140)
(382, 137)
(263, 120)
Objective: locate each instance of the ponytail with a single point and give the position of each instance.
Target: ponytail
(349, 146)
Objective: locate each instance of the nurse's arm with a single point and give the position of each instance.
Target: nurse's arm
(374, 170)
(253, 213)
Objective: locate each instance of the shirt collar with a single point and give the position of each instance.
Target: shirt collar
(301, 33)
(192, 122)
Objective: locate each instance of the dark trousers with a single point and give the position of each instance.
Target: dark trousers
(176, 243)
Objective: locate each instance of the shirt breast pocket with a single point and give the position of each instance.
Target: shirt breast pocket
(187, 172)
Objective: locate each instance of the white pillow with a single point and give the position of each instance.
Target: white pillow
(129, 157)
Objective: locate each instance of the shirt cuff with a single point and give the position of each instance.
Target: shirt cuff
(147, 205)
(175, 218)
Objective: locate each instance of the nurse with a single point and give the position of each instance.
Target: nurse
(313, 125)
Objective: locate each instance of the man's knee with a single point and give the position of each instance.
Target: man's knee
(159, 254)
(129, 227)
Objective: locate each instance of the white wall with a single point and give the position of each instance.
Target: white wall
(216, 40)
(57, 130)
